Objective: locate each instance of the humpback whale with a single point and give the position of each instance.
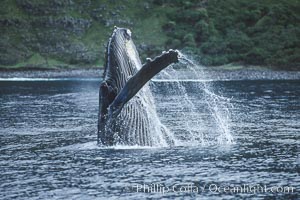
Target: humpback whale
(127, 114)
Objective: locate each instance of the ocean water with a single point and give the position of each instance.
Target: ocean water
(235, 139)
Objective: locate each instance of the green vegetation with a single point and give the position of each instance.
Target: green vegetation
(62, 33)
(248, 32)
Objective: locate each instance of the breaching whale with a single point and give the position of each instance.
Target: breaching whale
(127, 114)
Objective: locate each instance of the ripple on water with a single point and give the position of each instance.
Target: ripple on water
(50, 152)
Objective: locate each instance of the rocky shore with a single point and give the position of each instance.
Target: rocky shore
(209, 74)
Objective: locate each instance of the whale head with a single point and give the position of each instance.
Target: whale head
(122, 58)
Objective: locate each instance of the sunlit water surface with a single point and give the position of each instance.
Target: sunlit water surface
(48, 144)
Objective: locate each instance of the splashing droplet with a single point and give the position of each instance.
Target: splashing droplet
(207, 122)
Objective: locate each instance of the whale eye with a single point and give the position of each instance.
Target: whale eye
(127, 34)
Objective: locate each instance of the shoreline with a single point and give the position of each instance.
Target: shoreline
(214, 74)
(51, 73)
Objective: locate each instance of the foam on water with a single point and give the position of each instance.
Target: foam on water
(94, 146)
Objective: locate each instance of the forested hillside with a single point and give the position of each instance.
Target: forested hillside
(249, 32)
(73, 33)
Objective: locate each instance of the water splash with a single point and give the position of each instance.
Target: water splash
(205, 124)
(186, 121)
(94, 146)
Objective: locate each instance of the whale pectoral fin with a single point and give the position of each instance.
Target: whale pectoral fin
(136, 82)
(107, 95)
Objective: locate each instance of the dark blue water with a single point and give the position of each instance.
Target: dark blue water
(48, 145)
